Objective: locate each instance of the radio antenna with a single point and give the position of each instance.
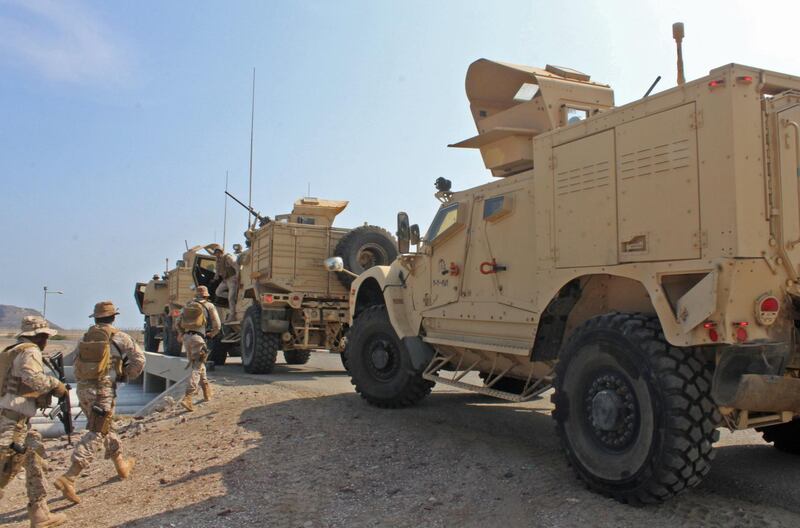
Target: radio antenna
(252, 117)
(225, 213)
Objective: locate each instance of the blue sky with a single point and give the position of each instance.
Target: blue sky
(119, 119)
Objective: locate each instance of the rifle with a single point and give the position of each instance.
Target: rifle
(62, 411)
(262, 220)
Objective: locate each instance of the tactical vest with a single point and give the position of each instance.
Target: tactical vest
(93, 360)
(8, 383)
(194, 317)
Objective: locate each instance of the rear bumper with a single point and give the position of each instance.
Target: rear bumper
(750, 377)
(764, 393)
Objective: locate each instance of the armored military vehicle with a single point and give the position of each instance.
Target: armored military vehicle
(286, 300)
(160, 301)
(641, 260)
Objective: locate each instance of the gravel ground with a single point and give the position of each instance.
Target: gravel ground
(299, 449)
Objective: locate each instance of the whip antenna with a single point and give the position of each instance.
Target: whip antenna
(225, 213)
(252, 116)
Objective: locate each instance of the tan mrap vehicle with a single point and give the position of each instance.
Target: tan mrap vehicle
(286, 300)
(160, 301)
(641, 260)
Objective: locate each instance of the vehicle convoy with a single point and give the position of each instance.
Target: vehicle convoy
(641, 260)
(160, 301)
(286, 300)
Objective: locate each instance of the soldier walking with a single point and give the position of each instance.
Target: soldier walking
(24, 387)
(228, 272)
(199, 321)
(102, 351)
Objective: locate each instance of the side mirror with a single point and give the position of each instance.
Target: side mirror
(403, 232)
(334, 264)
(415, 235)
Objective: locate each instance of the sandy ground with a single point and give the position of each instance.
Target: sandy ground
(299, 449)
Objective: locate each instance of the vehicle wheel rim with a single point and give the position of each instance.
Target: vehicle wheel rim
(611, 410)
(382, 358)
(370, 255)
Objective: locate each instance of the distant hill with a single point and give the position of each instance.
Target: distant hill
(11, 316)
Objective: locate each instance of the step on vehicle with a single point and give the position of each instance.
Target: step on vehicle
(641, 260)
(161, 299)
(286, 300)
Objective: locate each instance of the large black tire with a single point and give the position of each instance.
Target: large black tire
(363, 248)
(150, 341)
(172, 347)
(785, 437)
(218, 351)
(296, 357)
(259, 349)
(634, 414)
(379, 365)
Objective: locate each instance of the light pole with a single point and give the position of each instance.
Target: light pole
(44, 305)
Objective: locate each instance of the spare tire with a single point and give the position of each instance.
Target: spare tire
(363, 248)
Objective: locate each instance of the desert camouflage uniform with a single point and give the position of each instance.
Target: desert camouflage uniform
(194, 345)
(28, 369)
(228, 270)
(102, 393)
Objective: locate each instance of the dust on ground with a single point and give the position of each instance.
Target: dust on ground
(299, 449)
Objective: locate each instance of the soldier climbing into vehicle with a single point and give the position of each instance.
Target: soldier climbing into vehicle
(227, 272)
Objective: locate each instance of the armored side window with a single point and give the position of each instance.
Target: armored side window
(575, 115)
(526, 92)
(208, 264)
(496, 208)
(444, 220)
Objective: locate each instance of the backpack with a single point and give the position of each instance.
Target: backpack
(193, 317)
(93, 360)
(7, 357)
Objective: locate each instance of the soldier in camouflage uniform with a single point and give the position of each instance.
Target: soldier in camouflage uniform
(98, 399)
(25, 387)
(227, 270)
(196, 348)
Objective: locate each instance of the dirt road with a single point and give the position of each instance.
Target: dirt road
(299, 449)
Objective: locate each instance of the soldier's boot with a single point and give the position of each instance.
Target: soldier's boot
(186, 403)
(207, 392)
(40, 515)
(66, 483)
(124, 467)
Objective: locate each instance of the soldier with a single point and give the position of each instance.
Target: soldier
(23, 387)
(199, 321)
(228, 271)
(102, 350)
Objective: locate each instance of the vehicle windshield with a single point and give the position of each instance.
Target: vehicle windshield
(445, 218)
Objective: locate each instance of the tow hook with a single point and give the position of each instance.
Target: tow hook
(487, 268)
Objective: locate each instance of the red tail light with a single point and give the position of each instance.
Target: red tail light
(770, 304)
(268, 298)
(767, 308)
(741, 331)
(713, 335)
